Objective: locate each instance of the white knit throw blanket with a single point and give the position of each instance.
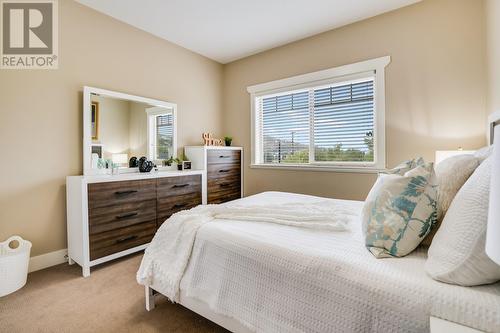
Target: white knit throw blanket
(169, 252)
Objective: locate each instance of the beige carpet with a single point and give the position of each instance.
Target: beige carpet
(59, 299)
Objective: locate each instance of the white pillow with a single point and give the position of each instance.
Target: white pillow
(483, 153)
(457, 253)
(451, 174)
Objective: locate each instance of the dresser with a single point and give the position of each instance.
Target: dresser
(111, 216)
(223, 171)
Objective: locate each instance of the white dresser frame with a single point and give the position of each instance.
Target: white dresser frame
(198, 157)
(77, 213)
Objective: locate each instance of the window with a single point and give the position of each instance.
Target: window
(284, 122)
(322, 120)
(160, 134)
(164, 129)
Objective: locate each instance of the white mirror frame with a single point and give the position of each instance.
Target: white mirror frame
(87, 130)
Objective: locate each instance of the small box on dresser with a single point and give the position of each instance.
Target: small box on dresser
(223, 167)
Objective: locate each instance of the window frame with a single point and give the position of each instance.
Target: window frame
(152, 114)
(337, 75)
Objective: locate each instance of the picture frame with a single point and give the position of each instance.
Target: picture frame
(186, 165)
(97, 149)
(94, 119)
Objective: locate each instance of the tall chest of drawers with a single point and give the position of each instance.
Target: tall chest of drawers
(109, 217)
(223, 168)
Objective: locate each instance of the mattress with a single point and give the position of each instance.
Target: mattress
(275, 278)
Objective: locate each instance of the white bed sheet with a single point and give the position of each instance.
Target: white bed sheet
(275, 278)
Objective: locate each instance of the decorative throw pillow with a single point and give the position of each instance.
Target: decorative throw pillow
(457, 254)
(483, 153)
(399, 211)
(405, 166)
(451, 175)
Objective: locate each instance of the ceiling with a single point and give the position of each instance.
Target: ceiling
(227, 30)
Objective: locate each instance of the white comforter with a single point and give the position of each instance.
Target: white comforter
(170, 250)
(275, 278)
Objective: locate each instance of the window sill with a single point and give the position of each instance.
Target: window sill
(328, 168)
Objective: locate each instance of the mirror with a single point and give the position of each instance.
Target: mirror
(119, 126)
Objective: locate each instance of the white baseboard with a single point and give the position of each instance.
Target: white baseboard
(47, 260)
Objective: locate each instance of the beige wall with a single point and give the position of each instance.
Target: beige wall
(41, 112)
(114, 123)
(436, 99)
(493, 54)
(435, 87)
(138, 130)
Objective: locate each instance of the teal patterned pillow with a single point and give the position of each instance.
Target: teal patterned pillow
(399, 211)
(406, 166)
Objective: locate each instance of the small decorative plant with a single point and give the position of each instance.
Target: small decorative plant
(170, 161)
(179, 163)
(228, 140)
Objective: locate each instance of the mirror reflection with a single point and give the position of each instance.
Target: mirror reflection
(122, 129)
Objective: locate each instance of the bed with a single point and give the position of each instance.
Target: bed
(263, 277)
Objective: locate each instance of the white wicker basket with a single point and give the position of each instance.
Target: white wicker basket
(13, 265)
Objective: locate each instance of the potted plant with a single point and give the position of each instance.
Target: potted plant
(228, 140)
(169, 162)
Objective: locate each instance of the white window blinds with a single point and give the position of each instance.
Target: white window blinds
(323, 124)
(343, 122)
(164, 135)
(285, 128)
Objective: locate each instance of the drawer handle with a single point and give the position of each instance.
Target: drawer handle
(123, 216)
(225, 184)
(178, 186)
(223, 156)
(224, 170)
(126, 239)
(180, 205)
(125, 192)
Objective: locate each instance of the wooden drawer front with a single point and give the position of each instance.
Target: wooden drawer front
(112, 193)
(174, 186)
(110, 242)
(223, 196)
(216, 171)
(118, 216)
(222, 188)
(223, 156)
(169, 205)
(224, 184)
